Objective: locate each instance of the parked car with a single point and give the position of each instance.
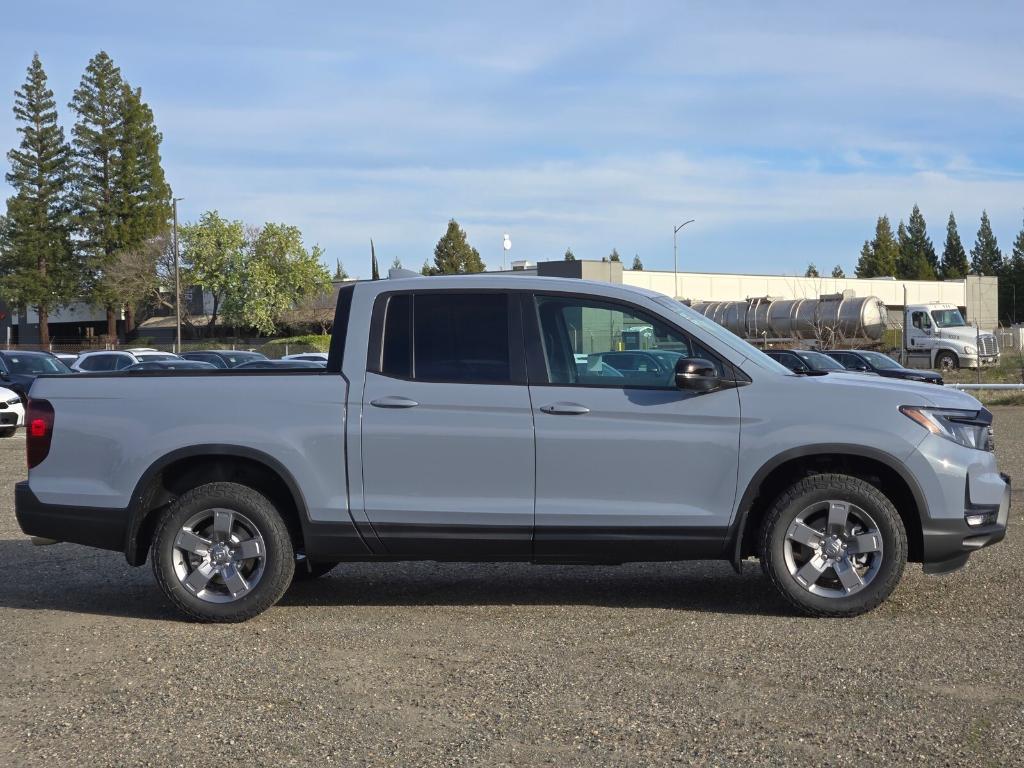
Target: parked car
(19, 369)
(314, 356)
(171, 365)
(117, 360)
(453, 424)
(223, 358)
(636, 367)
(265, 365)
(806, 361)
(12, 412)
(866, 360)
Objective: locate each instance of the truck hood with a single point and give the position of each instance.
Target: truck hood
(913, 392)
(964, 334)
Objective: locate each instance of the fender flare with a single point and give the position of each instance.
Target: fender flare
(850, 449)
(137, 504)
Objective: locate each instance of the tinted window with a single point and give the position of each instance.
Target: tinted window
(592, 343)
(396, 359)
(32, 364)
(461, 337)
(99, 363)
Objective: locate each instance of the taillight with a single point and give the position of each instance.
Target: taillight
(39, 431)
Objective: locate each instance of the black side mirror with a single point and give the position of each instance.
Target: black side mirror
(697, 374)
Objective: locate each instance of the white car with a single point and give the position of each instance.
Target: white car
(117, 360)
(12, 412)
(315, 357)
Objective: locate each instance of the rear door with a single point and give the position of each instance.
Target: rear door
(629, 467)
(447, 428)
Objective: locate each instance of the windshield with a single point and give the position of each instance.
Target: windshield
(722, 334)
(33, 364)
(948, 318)
(880, 361)
(817, 361)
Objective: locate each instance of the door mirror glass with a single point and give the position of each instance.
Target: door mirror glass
(696, 374)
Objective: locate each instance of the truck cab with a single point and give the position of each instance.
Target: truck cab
(937, 336)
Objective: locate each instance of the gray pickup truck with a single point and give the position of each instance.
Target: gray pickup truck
(485, 418)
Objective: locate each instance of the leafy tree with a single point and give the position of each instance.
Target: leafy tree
(986, 258)
(878, 256)
(837, 271)
(37, 265)
(277, 273)
(812, 271)
(397, 263)
(916, 259)
(213, 257)
(374, 269)
(426, 269)
(339, 271)
(638, 266)
(569, 255)
(453, 254)
(954, 259)
(614, 256)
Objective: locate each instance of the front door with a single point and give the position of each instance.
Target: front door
(447, 429)
(629, 467)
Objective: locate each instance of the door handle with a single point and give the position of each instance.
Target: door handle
(394, 401)
(565, 409)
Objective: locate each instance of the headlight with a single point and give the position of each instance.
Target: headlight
(969, 350)
(971, 429)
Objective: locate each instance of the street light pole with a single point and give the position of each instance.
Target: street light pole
(177, 279)
(675, 258)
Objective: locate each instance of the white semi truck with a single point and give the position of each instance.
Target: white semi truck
(934, 335)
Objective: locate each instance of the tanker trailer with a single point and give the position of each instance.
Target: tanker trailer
(828, 319)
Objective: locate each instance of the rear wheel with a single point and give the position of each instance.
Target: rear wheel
(222, 553)
(947, 361)
(833, 545)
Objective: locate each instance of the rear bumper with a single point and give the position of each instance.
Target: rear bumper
(92, 526)
(948, 543)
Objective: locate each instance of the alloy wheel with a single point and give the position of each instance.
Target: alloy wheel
(219, 555)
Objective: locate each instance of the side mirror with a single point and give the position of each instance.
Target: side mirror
(697, 375)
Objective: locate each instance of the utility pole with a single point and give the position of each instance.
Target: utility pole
(675, 258)
(177, 280)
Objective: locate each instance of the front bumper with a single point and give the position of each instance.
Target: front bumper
(949, 542)
(92, 526)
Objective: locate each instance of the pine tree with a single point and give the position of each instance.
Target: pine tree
(374, 269)
(812, 271)
(453, 254)
(954, 258)
(396, 263)
(569, 255)
(638, 266)
(36, 262)
(837, 272)
(97, 102)
(1014, 276)
(339, 271)
(878, 256)
(917, 259)
(614, 256)
(986, 258)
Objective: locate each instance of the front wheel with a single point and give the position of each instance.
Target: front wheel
(947, 361)
(833, 545)
(222, 553)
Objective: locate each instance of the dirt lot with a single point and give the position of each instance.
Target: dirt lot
(429, 664)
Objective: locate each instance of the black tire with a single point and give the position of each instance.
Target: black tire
(8, 431)
(947, 361)
(307, 570)
(813, 493)
(277, 559)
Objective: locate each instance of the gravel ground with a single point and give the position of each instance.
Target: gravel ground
(429, 664)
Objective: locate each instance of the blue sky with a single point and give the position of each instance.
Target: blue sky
(784, 129)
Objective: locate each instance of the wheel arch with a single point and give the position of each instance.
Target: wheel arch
(885, 471)
(172, 474)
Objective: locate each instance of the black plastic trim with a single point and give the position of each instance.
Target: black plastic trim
(623, 544)
(862, 451)
(102, 527)
(339, 330)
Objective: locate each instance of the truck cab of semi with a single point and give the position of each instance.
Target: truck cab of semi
(937, 336)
